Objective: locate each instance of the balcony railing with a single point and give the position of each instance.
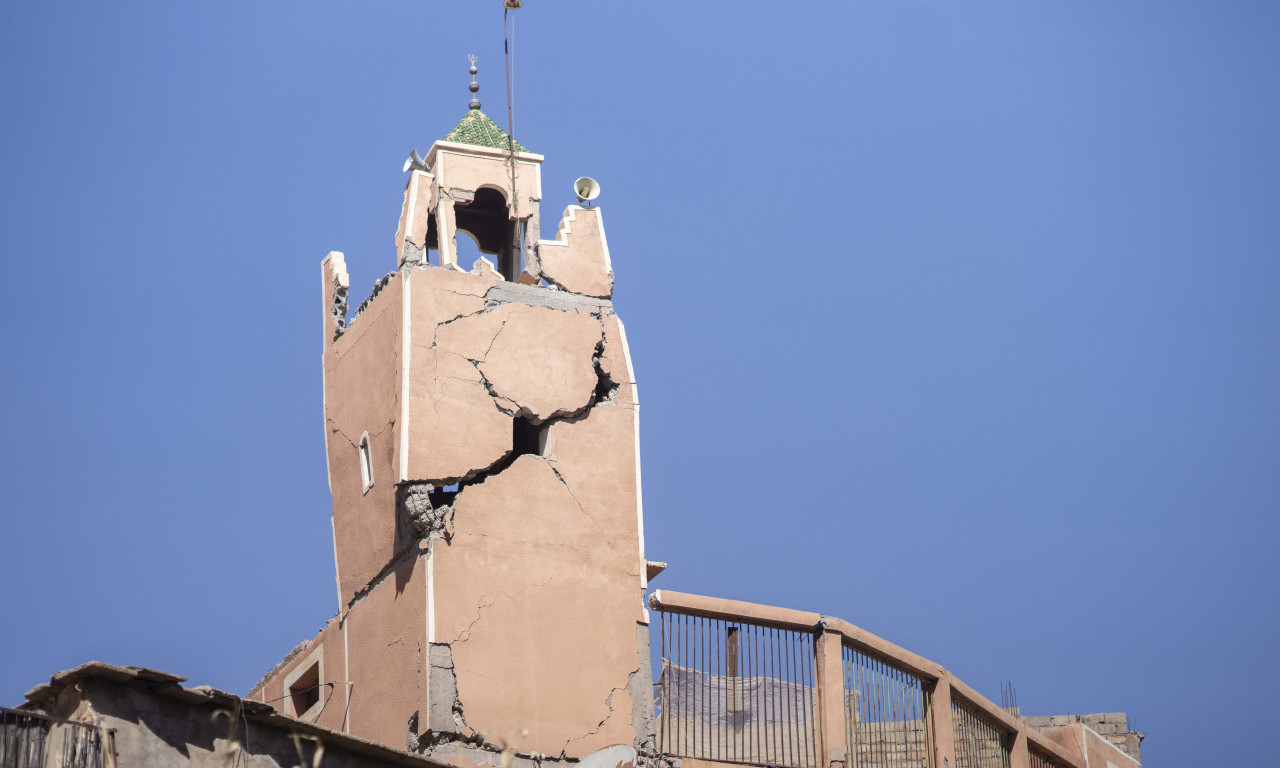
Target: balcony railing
(754, 684)
(737, 692)
(978, 742)
(885, 714)
(31, 740)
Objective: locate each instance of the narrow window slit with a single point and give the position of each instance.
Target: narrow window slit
(366, 463)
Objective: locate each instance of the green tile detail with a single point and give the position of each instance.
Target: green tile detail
(476, 129)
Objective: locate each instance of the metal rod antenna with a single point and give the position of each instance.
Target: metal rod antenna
(519, 235)
(511, 127)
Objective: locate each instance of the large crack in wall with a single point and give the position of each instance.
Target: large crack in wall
(505, 375)
(473, 337)
(543, 360)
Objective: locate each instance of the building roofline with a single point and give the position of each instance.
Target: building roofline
(476, 149)
(168, 685)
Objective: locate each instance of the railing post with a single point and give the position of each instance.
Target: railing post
(944, 742)
(1019, 754)
(829, 666)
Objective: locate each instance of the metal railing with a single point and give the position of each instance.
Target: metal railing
(737, 692)
(31, 740)
(978, 743)
(762, 685)
(886, 714)
(1038, 759)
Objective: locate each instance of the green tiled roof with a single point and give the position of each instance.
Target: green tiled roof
(476, 129)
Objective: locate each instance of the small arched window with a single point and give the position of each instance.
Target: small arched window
(366, 463)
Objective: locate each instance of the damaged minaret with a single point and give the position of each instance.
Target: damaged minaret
(481, 427)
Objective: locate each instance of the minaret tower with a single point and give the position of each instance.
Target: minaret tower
(481, 431)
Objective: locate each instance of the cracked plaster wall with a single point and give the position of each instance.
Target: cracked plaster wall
(530, 592)
(388, 654)
(535, 598)
(537, 592)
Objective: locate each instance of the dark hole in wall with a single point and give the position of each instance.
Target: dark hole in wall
(433, 242)
(443, 497)
(487, 220)
(527, 437)
(605, 390)
(305, 691)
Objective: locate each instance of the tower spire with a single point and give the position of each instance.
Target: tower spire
(474, 87)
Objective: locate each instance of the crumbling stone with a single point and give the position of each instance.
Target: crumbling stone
(373, 294)
(413, 254)
(338, 292)
(445, 715)
(485, 268)
(419, 513)
(537, 296)
(612, 359)
(640, 689)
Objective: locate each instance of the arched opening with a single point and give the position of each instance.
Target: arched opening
(485, 219)
(466, 249)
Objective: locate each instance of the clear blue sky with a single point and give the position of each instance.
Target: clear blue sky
(960, 321)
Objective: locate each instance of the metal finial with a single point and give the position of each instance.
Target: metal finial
(475, 102)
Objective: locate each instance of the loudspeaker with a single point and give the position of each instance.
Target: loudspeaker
(586, 188)
(414, 161)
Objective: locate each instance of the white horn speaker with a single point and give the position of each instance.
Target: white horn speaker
(586, 188)
(414, 161)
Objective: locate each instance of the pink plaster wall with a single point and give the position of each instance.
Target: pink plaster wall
(1091, 749)
(454, 426)
(387, 653)
(538, 590)
(415, 213)
(480, 167)
(332, 696)
(537, 586)
(362, 394)
(539, 599)
(578, 259)
(385, 644)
